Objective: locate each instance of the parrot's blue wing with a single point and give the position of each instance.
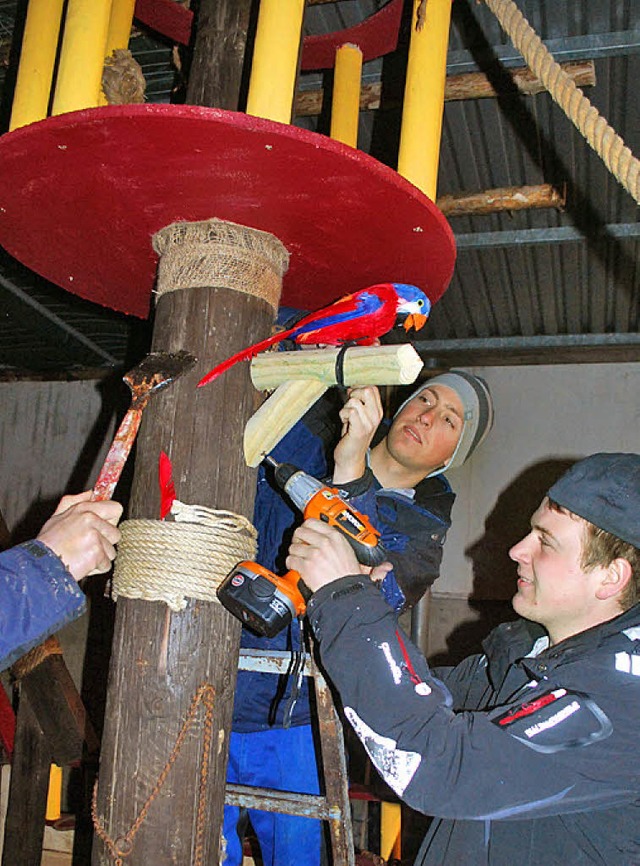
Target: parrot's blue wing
(330, 321)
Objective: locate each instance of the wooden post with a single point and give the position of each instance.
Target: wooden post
(159, 658)
(215, 77)
(24, 827)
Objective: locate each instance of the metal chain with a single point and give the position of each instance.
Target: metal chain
(122, 847)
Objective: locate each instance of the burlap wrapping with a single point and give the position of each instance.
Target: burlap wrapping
(223, 254)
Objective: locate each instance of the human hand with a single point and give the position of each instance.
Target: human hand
(360, 416)
(321, 554)
(83, 534)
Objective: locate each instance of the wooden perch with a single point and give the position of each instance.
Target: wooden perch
(508, 198)
(301, 378)
(363, 365)
(469, 85)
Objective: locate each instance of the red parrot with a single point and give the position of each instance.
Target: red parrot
(360, 318)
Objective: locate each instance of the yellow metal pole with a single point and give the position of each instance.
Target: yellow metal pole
(37, 57)
(120, 23)
(54, 794)
(345, 105)
(82, 57)
(275, 59)
(390, 828)
(424, 95)
(119, 31)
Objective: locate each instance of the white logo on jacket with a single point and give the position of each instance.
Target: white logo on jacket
(396, 766)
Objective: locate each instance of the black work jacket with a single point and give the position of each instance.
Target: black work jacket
(529, 761)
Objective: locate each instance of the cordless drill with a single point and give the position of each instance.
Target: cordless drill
(267, 602)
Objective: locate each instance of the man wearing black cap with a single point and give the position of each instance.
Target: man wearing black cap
(528, 752)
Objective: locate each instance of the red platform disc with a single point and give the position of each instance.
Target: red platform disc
(81, 195)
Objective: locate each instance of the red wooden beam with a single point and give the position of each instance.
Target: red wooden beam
(376, 35)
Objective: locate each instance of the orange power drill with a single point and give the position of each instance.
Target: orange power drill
(267, 602)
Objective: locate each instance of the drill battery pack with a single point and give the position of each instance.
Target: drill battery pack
(261, 600)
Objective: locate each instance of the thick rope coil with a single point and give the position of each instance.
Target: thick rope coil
(606, 142)
(171, 561)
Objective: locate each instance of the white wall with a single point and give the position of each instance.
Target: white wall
(543, 413)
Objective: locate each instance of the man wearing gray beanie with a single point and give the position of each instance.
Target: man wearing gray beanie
(393, 471)
(528, 751)
(398, 483)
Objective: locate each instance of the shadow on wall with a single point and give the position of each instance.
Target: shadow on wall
(115, 398)
(493, 570)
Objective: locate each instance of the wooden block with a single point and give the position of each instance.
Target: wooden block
(301, 378)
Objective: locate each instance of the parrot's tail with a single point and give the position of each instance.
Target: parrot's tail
(244, 355)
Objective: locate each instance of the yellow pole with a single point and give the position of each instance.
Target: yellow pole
(275, 59)
(120, 23)
(37, 57)
(54, 794)
(424, 95)
(119, 32)
(390, 828)
(82, 57)
(345, 105)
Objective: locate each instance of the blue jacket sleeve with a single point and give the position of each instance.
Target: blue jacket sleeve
(413, 531)
(38, 597)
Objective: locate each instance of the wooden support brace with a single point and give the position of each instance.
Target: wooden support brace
(509, 198)
(301, 378)
(56, 704)
(24, 825)
(467, 85)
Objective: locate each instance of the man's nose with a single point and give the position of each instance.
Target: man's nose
(426, 417)
(520, 551)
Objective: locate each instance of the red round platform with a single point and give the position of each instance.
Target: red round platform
(81, 195)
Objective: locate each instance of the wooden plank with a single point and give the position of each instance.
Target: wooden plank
(24, 825)
(59, 709)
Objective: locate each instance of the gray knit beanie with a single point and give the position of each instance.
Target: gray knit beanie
(477, 404)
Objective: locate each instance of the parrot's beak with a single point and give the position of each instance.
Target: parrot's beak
(414, 320)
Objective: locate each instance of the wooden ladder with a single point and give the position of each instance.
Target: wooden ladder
(333, 805)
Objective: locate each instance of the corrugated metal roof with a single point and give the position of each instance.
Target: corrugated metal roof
(525, 274)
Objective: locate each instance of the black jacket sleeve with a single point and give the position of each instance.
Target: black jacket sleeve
(553, 750)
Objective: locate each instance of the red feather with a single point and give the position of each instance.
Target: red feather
(167, 487)
(361, 317)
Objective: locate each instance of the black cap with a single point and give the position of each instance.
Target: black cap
(605, 490)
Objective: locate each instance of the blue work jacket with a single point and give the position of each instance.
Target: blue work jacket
(38, 597)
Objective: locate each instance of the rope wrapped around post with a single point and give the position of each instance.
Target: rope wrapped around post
(606, 142)
(188, 557)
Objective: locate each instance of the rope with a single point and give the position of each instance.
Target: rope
(35, 657)
(609, 146)
(122, 847)
(171, 561)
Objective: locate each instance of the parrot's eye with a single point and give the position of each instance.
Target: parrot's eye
(421, 303)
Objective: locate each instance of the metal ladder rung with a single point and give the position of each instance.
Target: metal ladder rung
(286, 802)
(333, 806)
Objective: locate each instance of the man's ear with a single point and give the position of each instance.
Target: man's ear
(616, 578)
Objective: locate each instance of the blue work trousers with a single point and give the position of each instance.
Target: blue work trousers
(284, 759)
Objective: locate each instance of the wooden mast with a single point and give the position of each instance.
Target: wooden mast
(202, 430)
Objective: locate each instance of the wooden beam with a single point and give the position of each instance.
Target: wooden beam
(58, 707)
(508, 198)
(24, 824)
(471, 85)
